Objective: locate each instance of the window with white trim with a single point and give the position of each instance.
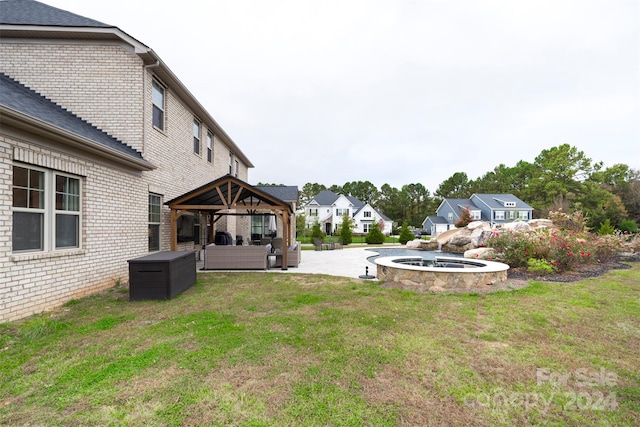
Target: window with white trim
(237, 168)
(157, 98)
(366, 214)
(524, 215)
(476, 215)
(230, 162)
(46, 210)
(155, 202)
(342, 212)
(498, 215)
(196, 136)
(313, 211)
(450, 216)
(209, 147)
(366, 227)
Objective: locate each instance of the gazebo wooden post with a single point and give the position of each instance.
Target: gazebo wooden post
(210, 231)
(174, 230)
(285, 239)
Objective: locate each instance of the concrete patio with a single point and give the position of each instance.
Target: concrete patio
(347, 262)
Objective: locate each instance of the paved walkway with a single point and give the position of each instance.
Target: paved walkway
(347, 262)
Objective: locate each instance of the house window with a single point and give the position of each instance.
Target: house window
(262, 226)
(46, 210)
(366, 227)
(158, 105)
(237, 168)
(366, 214)
(155, 201)
(342, 212)
(196, 136)
(524, 215)
(499, 215)
(450, 216)
(230, 163)
(313, 211)
(512, 214)
(209, 147)
(476, 215)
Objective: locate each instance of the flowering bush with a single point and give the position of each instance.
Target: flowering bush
(561, 249)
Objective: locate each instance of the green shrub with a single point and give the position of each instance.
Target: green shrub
(346, 230)
(374, 236)
(629, 226)
(405, 234)
(606, 227)
(316, 231)
(540, 266)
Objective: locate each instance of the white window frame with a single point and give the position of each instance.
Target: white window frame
(209, 147)
(476, 214)
(49, 209)
(156, 87)
(524, 215)
(450, 216)
(366, 226)
(498, 215)
(155, 220)
(197, 130)
(313, 212)
(366, 214)
(237, 168)
(230, 163)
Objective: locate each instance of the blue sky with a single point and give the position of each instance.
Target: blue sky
(400, 92)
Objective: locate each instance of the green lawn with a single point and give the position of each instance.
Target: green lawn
(265, 349)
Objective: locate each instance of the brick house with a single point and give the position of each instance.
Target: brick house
(96, 133)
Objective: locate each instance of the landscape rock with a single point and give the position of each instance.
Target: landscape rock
(480, 253)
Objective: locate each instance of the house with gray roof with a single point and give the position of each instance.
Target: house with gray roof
(328, 209)
(492, 208)
(96, 134)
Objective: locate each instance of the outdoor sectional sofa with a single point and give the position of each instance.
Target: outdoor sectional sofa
(293, 256)
(227, 257)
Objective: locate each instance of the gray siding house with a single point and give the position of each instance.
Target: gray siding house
(492, 208)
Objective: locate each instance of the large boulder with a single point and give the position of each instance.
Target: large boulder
(480, 253)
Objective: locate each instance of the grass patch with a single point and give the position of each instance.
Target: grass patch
(265, 349)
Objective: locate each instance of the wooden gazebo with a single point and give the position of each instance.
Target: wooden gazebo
(229, 195)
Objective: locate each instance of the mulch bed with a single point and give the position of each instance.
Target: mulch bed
(582, 272)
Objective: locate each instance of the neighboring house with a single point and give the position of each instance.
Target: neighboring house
(96, 134)
(435, 225)
(492, 208)
(328, 209)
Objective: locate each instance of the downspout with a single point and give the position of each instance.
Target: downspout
(144, 102)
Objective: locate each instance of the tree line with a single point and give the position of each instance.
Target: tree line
(559, 178)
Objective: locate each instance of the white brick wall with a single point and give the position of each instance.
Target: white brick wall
(104, 85)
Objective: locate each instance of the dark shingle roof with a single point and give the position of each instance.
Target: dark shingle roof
(325, 198)
(20, 98)
(437, 220)
(29, 12)
(286, 193)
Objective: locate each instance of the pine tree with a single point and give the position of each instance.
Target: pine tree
(405, 234)
(346, 234)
